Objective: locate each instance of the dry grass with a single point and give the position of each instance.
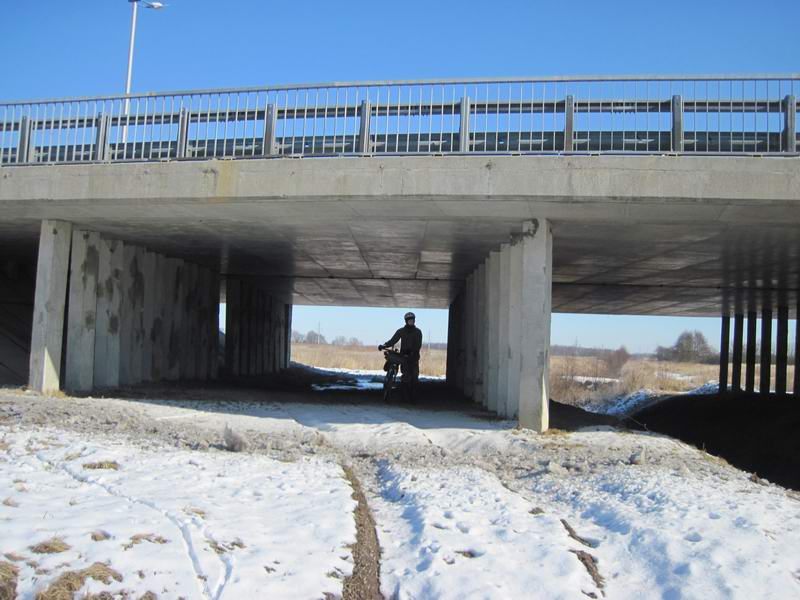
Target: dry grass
(10, 502)
(100, 536)
(105, 464)
(8, 581)
(145, 537)
(367, 358)
(223, 547)
(51, 546)
(67, 584)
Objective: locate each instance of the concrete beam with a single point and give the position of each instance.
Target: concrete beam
(766, 351)
(48, 310)
(109, 302)
(82, 313)
(781, 350)
(536, 273)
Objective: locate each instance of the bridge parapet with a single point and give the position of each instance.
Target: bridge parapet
(753, 115)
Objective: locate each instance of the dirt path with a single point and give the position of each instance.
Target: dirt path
(365, 582)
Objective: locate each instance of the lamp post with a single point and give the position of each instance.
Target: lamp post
(134, 13)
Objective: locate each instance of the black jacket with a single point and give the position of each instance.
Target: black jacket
(410, 339)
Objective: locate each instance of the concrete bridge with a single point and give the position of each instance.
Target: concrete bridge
(500, 200)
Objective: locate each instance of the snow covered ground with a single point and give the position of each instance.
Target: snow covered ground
(464, 507)
(173, 522)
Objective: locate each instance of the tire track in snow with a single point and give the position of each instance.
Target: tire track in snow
(178, 524)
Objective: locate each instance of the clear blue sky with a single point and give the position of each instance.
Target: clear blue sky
(55, 48)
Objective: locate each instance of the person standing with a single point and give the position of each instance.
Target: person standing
(410, 338)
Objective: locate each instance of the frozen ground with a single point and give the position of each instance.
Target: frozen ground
(464, 507)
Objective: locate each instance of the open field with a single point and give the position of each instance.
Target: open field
(367, 358)
(576, 380)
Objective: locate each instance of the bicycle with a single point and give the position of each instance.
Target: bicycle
(394, 360)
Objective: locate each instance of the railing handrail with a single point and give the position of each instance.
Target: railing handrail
(417, 82)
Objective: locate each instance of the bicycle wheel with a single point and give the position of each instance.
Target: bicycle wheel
(388, 382)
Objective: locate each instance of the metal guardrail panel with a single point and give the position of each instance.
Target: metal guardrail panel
(723, 115)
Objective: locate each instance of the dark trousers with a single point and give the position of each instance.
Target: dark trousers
(408, 385)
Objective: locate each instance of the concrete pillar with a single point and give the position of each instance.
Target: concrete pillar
(469, 338)
(480, 337)
(148, 312)
(157, 327)
(514, 329)
(214, 293)
(82, 312)
(189, 338)
(503, 304)
(136, 307)
(176, 314)
(724, 348)
(48, 310)
(796, 383)
(493, 323)
(766, 351)
(450, 369)
(536, 274)
(109, 301)
(204, 296)
(738, 342)
(287, 330)
(126, 315)
(782, 350)
(750, 361)
(232, 313)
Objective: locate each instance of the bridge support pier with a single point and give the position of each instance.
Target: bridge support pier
(134, 315)
(506, 354)
(257, 330)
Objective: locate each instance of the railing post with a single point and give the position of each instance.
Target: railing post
(183, 133)
(363, 129)
(270, 119)
(101, 137)
(569, 123)
(463, 126)
(789, 124)
(677, 124)
(25, 147)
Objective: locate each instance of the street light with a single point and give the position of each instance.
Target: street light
(135, 5)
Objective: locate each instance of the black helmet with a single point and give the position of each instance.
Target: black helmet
(409, 315)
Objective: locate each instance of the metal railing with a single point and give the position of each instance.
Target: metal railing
(754, 115)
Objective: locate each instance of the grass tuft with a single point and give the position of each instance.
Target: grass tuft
(67, 584)
(8, 581)
(145, 537)
(100, 535)
(105, 464)
(52, 546)
(10, 502)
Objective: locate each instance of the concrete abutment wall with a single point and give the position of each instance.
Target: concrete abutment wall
(122, 314)
(499, 329)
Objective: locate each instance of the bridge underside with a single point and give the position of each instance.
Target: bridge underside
(657, 235)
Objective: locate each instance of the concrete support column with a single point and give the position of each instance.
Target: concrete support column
(796, 383)
(148, 313)
(492, 376)
(287, 332)
(535, 272)
(515, 313)
(452, 343)
(724, 348)
(176, 268)
(469, 338)
(232, 316)
(504, 307)
(49, 303)
(766, 351)
(82, 313)
(738, 335)
(782, 350)
(479, 394)
(109, 302)
(750, 360)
